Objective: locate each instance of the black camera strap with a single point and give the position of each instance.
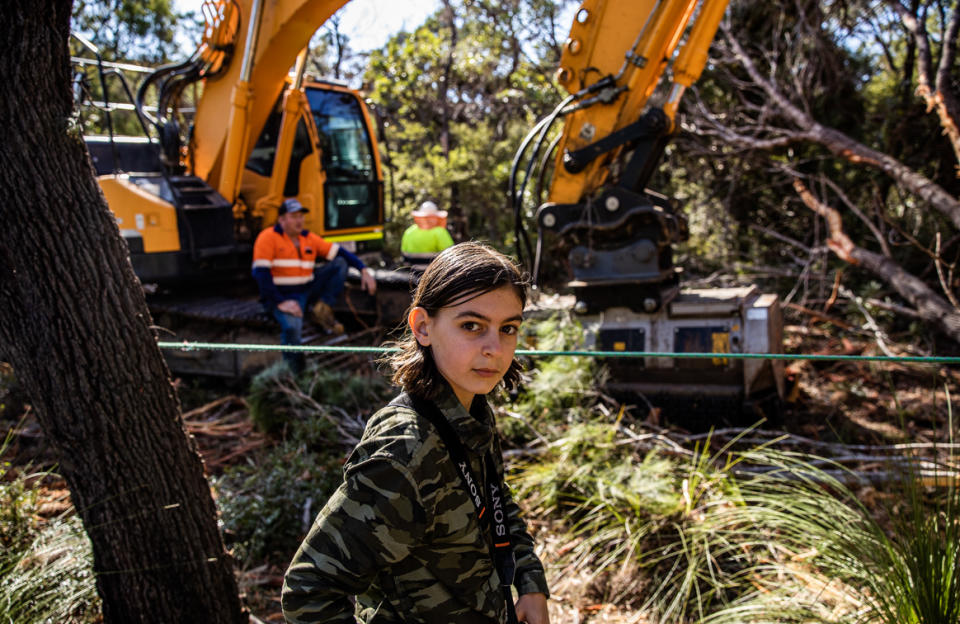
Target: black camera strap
(490, 510)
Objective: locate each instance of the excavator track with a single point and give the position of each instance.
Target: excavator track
(225, 320)
(239, 318)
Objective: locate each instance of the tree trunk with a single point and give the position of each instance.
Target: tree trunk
(443, 89)
(76, 328)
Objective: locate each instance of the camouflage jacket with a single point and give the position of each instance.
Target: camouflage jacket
(401, 534)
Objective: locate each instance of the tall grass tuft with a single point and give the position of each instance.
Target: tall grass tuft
(50, 578)
(821, 555)
(753, 537)
(46, 567)
(817, 534)
(633, 519)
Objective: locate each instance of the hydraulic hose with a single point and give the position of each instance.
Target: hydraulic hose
(540, 130)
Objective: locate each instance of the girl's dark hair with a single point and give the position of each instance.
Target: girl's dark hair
(458, 274)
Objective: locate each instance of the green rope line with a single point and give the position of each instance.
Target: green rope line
(213, 346)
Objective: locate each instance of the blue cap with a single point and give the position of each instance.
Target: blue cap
(290, 205)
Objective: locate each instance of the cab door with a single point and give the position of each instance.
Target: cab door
(353, 185)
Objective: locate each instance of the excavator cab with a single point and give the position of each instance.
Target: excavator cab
(316, 144)
(353, 189)
(331, 164)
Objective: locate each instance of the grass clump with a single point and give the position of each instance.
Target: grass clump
(50, 577)
(817, 534)
(631, 517)
(46, 566)
(752, 537)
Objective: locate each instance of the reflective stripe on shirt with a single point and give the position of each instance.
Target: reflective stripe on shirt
(293, 281)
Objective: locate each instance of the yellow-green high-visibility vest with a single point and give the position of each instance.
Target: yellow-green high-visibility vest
(417, 241)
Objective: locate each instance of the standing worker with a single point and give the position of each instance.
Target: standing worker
(285, 267)
(427, 237)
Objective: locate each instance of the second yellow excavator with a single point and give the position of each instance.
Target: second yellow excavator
(617, 234)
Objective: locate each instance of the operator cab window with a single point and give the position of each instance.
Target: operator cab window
(351, 191)
(265, 150)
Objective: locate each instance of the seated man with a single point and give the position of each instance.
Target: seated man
(285, 267)
(427, 237)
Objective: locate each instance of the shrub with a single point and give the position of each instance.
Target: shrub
(268, 504)
(46, 567)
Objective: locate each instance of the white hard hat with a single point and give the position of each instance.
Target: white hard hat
(429, 209)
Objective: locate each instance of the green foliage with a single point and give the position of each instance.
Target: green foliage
(147, 33)
(456, 95)
(276, 398)
(50, 578)
(127, 30)
(269, 404)
(558, 391)
(18, 503)
(46, 567)
(589, 471)
(634, 519)
(787, 541)
(267, 504)
(904, 573)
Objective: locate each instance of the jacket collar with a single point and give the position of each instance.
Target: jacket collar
(279, 230)
(475, 427)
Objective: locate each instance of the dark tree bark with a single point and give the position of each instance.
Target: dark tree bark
(74, 323)
(449, 17)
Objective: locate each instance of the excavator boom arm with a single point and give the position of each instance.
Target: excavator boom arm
(236, 103)
(628, 44)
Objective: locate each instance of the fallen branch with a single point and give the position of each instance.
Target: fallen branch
(820, 316)
(929, 304)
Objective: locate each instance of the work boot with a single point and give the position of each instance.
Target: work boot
(323, 316)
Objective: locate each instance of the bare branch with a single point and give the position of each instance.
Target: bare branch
(781, 237)
(929, 304)
(846, 147)
(924, 57)
(948, 53)
(871, 324)
(948, 107)
(893, 307)
(855, 210)
(936, 91)
(944, 280)
(838, 242)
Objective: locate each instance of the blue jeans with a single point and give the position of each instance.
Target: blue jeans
(327, 284)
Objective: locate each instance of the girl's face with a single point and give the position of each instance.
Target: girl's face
(472, 342)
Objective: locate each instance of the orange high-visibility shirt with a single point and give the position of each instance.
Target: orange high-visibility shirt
(289, 265)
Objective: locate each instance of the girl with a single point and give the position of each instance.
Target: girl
(422, 529)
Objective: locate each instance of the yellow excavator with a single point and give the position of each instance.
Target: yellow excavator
(189, 198)
(618, 235)
(193, 189)
(191, 193)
